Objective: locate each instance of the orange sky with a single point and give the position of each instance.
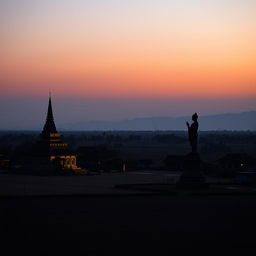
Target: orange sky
(131, 49)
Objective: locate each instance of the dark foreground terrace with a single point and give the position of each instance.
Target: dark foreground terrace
(124, 222)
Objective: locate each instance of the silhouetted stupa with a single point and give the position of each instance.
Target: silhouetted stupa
(52, 149)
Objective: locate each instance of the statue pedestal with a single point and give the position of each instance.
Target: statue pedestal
(192, 176)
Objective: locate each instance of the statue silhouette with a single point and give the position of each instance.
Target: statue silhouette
(192, 133)
(191, 176)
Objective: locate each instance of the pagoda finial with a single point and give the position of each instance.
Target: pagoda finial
(49, 112)
(49, 126)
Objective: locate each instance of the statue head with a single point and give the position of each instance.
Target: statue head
(195, 117)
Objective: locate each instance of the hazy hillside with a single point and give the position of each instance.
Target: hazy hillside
(238, 121)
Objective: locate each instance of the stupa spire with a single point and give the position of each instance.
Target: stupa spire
(49, 112)
(49, 126)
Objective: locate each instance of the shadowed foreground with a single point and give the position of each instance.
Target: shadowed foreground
(101, 225)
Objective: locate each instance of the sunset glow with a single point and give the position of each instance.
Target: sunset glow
(128, 49)
(131, 49)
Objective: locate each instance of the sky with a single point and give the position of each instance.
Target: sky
(113, 60)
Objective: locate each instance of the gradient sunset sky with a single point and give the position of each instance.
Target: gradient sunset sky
(112, 60)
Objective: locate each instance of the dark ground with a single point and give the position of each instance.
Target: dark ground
(129, 225)
(123, 223)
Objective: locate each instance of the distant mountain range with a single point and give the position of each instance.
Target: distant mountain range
(229, 121)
